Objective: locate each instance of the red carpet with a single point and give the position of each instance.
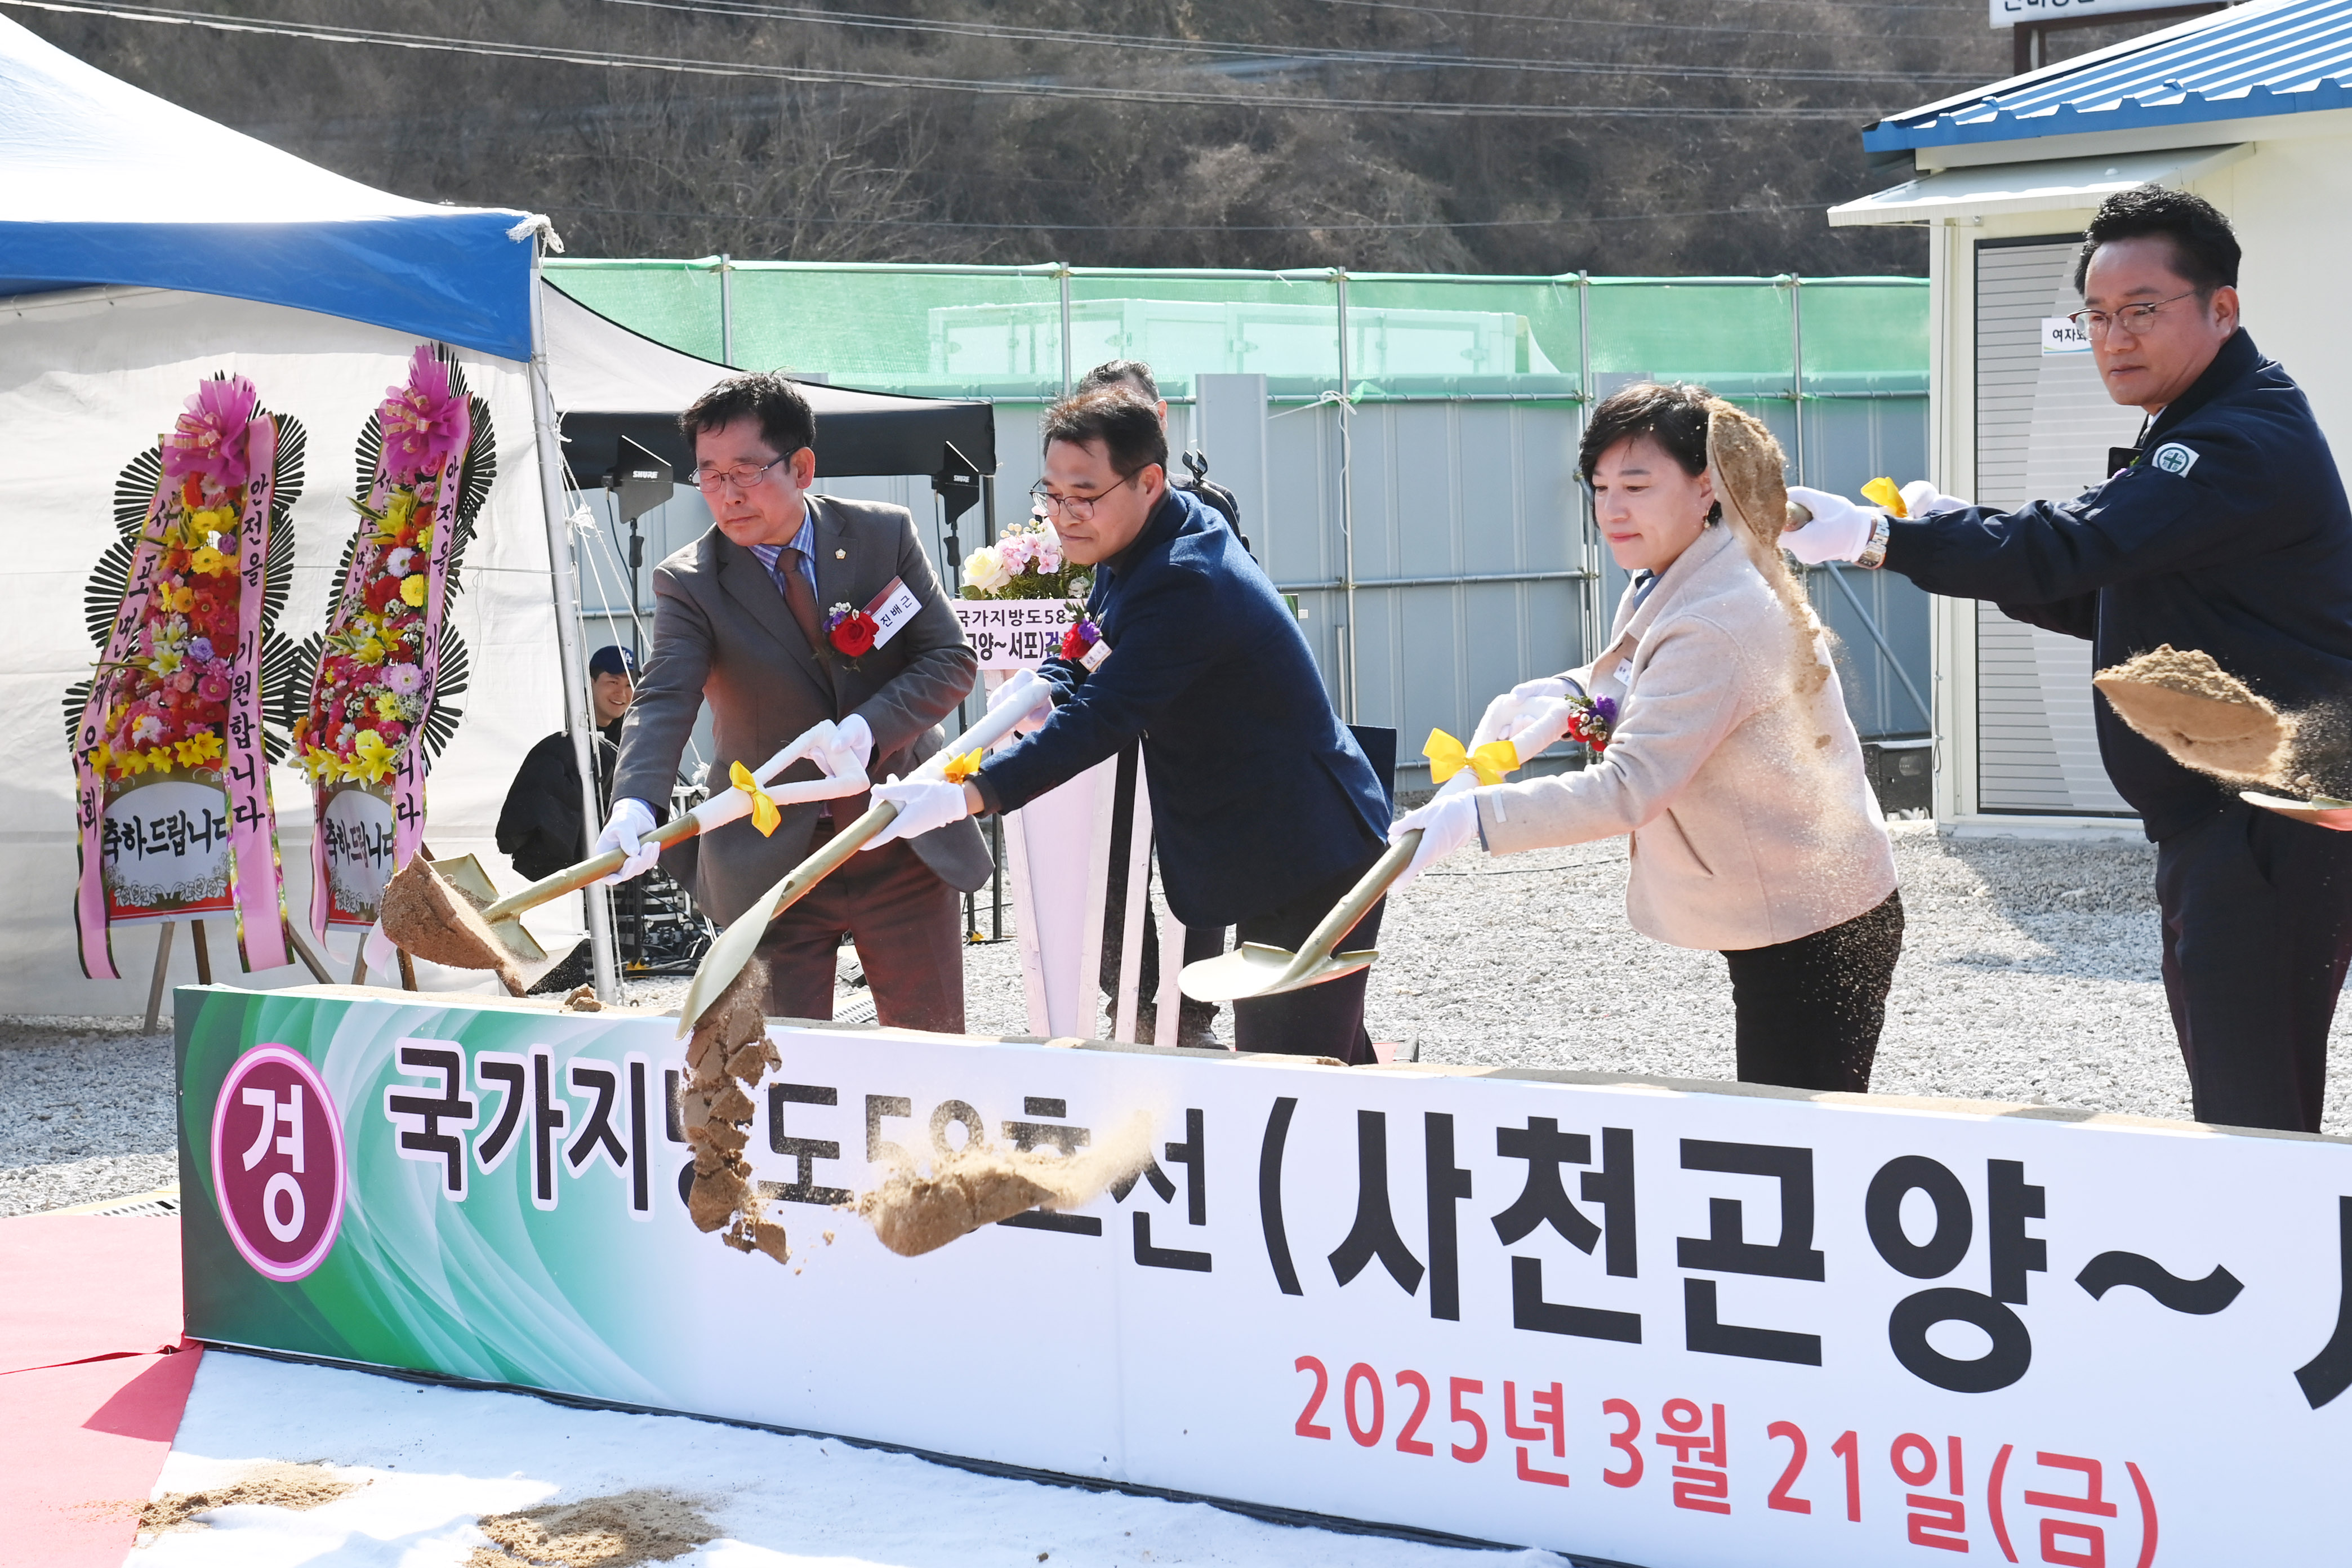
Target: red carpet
(88, 1404)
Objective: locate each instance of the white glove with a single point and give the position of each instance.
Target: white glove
(631, 820)
(1921, 499)
(924, 805)
(857, 737)
(1840, 530)
(1035, 693)
(1446, 823)
(1506, 715)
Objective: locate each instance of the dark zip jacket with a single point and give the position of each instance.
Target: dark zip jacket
(1258, 792)
(2229, 534)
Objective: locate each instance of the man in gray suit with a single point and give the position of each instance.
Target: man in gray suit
(742, 620)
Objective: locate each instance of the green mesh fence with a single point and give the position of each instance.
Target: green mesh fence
(998, 332)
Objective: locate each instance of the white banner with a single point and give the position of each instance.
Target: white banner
(1015, 634)
(2060, 335)
(1678, 1325)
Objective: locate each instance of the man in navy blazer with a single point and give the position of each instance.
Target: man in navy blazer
(1265, 809)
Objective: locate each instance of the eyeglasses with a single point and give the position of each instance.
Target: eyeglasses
(2134, 319)
(1078, 508)
(710, 480)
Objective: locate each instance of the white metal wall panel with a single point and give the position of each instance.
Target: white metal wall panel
(2044, 427)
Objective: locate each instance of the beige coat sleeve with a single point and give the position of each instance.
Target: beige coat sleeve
(1695, 686)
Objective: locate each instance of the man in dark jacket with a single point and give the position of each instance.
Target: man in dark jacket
(540, 827)
(1265, 808)
(2224, 530)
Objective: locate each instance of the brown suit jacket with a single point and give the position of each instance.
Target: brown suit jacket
(723, 632)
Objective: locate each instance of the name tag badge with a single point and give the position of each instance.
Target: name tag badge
(1093, 657)
(893, 607)
(1624, 671)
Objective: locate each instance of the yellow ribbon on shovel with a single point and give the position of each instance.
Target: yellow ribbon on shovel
(963, 767)
(764, 814)
(1448, 756)
(1882, 494)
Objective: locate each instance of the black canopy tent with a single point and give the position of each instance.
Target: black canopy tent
(611, 382)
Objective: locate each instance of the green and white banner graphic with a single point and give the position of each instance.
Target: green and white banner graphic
(1664, 1324)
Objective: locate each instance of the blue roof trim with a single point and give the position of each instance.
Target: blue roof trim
(456, 278)
(2289, 59)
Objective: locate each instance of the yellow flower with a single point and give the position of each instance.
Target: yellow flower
(166, 662)
(318, 763)
(209, 562)
(101, 757)
(198, 749)
(401, 510)
(369, 651)
(130, 764)
(387, 705)
(370, 759)
(160, 758)
(179, 601)
(412, 590)
(424, 537)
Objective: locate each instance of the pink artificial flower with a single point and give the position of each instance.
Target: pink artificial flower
(209, 436)
(405, 680)
(421, 420)
(1017, 551)
(212, 688)
(184, 680)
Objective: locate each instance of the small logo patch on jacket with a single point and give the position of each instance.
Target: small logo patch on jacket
(2173, 458)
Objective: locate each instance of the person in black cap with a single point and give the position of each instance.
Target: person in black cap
(540, 827)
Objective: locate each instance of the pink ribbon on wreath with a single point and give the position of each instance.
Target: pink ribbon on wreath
(90, 787)
(254, 880)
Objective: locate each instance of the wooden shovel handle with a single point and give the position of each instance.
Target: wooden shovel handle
(571, 880)
(1358, 902)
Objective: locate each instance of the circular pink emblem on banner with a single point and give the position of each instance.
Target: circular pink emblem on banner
(277, 1162)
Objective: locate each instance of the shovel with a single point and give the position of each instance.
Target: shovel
(2320, 810)
(423, 914)
(741, 938)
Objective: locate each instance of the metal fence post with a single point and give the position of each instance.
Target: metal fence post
(1595, 625)
(1347, 497)
(1068, 380)
(726, 310)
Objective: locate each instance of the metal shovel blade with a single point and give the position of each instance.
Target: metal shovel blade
(2320, 811)
(1254, 969)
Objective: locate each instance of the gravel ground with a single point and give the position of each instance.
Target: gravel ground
(2029, 974)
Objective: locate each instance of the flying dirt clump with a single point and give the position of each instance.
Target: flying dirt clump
(619, 1531)
(1746, 463)
(427, 918)
(2203, 717)
(726, 1056)
(979, 1185)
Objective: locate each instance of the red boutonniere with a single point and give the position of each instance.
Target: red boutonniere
(1078, 639)
(850, 631)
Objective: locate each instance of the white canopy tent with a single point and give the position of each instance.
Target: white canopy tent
(318, 289)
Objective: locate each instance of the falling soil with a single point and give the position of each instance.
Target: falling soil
(583, 999)
(428, 919)
(1747, 465)
(615, 1531)
(728, 1054)
(297, 1486)
(2203, 717)
(979, 1185)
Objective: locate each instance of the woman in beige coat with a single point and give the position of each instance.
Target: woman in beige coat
(1729, 756)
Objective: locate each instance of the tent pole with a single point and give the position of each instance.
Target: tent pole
(579, 717)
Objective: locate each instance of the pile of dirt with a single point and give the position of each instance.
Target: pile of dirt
(2203, 717)
(431, 919)
(726, 1056)
(979, 1185)
(297, 1486)
(615, 1531)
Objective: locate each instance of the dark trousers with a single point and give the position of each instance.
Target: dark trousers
(2257, 913)
(1810, 1011)
(1326, 1020)
(909, 933)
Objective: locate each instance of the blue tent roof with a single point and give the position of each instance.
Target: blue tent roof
(100, 182)
(2290, 57)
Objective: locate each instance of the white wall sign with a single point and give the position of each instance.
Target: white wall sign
(1653, 1323)
(2060, 335)
(2010, 13)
